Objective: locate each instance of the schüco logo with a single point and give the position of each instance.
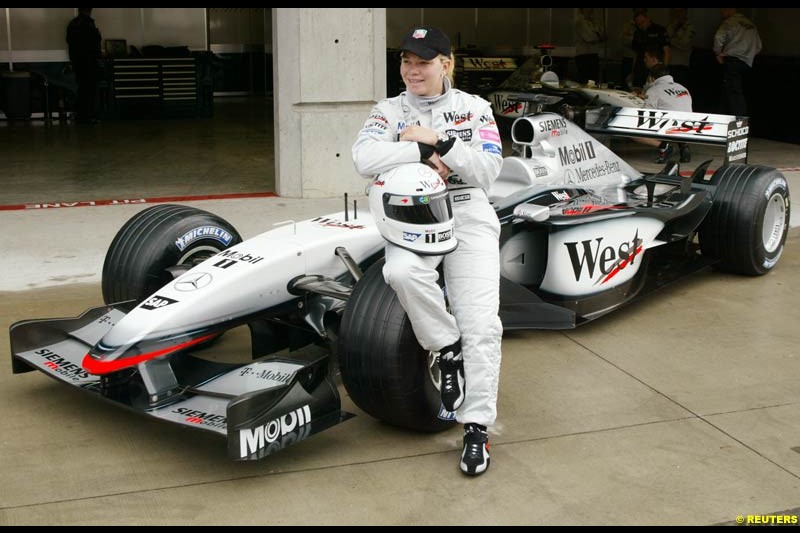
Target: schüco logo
(607, 261)
(254, 439)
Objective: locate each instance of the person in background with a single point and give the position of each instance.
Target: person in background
(681, 40)
(455, 133)
(589, 37)
(662, 92)
(647, 33)
(626, 41)
(83, 41)
(736, 43)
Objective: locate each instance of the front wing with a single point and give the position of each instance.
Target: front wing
(260, 407)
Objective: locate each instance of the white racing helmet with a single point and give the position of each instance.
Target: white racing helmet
(411, 208)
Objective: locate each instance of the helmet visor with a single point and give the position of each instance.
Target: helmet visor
(422, 209)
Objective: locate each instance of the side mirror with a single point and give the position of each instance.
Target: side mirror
(532, 212)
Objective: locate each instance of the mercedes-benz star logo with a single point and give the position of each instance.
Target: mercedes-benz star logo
(192, 282)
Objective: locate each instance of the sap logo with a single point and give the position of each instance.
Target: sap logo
(540, 172)
(157, 302)
(252, 440)
(410, 237)
(606, 260)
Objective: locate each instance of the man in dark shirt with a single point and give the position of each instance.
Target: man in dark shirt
(83, 39)
(647, 33)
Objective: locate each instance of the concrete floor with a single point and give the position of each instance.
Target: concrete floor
(683, 408)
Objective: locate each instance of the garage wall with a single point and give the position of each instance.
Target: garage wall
(39, 34)
(511, 30)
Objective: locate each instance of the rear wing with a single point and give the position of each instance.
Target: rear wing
(678, 126)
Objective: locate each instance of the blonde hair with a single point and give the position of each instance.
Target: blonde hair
(450, 71)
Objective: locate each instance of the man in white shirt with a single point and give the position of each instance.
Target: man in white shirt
(662, 92)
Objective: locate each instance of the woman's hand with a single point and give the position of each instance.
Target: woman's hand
(419, 134)
(436, 163)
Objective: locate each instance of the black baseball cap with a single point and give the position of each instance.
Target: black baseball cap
(427, 43)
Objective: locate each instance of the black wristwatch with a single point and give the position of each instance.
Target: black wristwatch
(444, 144)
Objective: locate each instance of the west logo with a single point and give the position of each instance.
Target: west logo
(602, 262)
(333, 223)
(457, 118)
(655, 120)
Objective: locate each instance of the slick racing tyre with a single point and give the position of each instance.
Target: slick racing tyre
(158, 244)
(384, 370)
(746, 228)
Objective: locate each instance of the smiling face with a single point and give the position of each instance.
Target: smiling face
(423, 77)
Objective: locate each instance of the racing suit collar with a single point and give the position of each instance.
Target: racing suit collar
(427, 102)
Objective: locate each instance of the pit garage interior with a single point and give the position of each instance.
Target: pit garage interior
(682, 408)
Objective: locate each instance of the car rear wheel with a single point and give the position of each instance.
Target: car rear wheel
(747, 225)
(384, 370)
(158, 244)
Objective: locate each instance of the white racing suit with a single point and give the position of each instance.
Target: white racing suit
(664, 93)
(472, 271)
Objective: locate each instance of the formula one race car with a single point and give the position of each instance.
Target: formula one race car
(534, 88)
(582, 234)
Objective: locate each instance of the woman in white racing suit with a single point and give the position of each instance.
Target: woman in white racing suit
(455, 133)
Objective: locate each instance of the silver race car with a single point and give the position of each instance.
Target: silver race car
(248, 338)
